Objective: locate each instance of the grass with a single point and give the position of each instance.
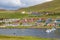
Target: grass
(26, 27)
(19, 15)
(53, 6)
(24, 38)
(12, 15)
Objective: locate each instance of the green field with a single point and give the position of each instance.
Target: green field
(19, 15)
(24, 38)
(12, 15)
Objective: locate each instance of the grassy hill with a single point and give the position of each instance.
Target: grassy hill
(53, 6)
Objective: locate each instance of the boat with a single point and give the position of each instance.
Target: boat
(50, 30)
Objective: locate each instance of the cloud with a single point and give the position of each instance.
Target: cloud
(10, 4)
(15, 4)
(34, 2)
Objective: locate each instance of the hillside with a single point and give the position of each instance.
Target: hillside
(53, 6)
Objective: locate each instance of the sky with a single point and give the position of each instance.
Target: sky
(16, 4)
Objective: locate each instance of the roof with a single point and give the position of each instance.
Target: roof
(57, 21)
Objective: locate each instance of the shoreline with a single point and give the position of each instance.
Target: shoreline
(30, 28)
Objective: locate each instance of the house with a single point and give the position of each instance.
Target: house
(23, 12)
(10, 22)
(47, 13)
(12, 25)
(40, 20)
(48, 20)
(36, 13)
(26, 24)
(57, 22)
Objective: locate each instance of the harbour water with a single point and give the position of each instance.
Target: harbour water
(31, 32)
